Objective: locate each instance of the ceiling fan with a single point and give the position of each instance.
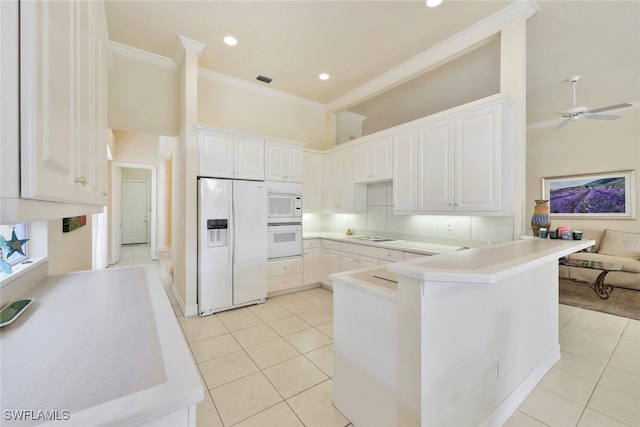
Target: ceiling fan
(577, 113)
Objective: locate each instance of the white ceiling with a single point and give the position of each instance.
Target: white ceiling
(356, 41)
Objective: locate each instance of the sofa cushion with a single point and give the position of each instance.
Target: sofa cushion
(593, 235)
(621, 244)
(629, 265)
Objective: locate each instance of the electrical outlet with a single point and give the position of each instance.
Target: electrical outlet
(449, 226)
(499, 370)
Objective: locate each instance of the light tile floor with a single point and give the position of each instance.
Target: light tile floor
(134, 255)
(272, 365)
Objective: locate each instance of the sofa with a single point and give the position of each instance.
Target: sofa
(614, 247)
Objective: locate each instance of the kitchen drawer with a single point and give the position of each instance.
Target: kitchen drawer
(389, 255)
(411, 255)
(364, 250)
(278, 283)
(311, 243)
(331, 244)
(285, 266)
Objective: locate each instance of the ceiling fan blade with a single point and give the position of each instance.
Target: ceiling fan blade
(602, 116)
(611, 107)
(561, 124)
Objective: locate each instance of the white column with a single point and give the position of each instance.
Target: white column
(185, 169)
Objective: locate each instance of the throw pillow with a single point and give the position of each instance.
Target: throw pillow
(621, 244)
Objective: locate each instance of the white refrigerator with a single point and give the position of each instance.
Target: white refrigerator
(232, 244)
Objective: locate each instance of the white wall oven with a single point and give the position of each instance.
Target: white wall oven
(284, 240)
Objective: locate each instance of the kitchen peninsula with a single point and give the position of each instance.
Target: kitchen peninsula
(461, 338)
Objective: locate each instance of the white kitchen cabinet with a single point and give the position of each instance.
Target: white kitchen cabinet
(63, 102)
(463, 162)
(285, 274)
(225, 155)
(373, 160)
(248, 158)
(386, 256)
(330, 260)
(312, 182)
(350, 261)
(483, 163)
(405, 150)
(283, 162)
(311, 264)
(330, 182)
(435, 169)
(340, 192)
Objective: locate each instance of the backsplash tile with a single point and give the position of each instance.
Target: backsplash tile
(380, 220)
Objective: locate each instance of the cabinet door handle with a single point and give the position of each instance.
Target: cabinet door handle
(104, 193)
(82, 180)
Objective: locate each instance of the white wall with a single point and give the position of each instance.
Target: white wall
(581, 147)
(142, 97)
(70, 251)
(243, 109)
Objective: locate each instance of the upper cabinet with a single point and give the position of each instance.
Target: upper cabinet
(63, 101)
(373, 160)
(463, 162)
(283, 161)
(312, 182)
(340, 193)
(405, 153)
(225, 155)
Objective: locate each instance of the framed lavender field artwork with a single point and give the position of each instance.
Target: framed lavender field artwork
(606, 195)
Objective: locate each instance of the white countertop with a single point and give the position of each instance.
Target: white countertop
(488, 264)
(401, 245)
(104, 345)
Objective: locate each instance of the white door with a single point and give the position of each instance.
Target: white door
(135, 208)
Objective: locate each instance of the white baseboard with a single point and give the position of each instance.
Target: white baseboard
(503, 412)
(191, 310)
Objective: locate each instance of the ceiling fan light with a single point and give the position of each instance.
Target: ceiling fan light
(433, 3)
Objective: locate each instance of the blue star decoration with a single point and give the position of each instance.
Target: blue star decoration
(15, 244)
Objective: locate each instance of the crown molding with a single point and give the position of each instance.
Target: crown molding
(141, 55)
(190, 45)
(186, 45)
(256, 88)
(469, 39)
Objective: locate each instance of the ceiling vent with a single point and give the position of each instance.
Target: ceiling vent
(264, 79)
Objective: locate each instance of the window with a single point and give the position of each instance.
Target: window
(7, 231)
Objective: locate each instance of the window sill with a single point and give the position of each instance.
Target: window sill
(20, 270)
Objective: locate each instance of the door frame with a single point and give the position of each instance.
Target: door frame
(116, 179)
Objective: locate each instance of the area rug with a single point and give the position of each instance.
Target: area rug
(621, 302)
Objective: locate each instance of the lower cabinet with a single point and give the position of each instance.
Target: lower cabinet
(323, 257)
(330, 260)
(285, 274)
(312, 261)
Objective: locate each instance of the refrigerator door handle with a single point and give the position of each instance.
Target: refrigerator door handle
(232, 232)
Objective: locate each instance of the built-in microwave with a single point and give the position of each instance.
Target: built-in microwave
(284, 203)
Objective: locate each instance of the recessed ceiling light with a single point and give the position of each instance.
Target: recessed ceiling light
(230, 40)
(324, 76)
(433, 3)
